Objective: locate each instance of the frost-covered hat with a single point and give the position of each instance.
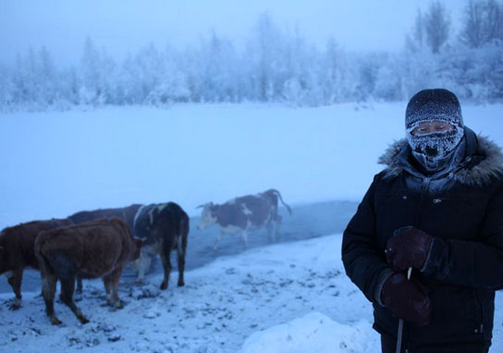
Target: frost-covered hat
(433, 105)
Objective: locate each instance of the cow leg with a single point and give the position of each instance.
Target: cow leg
(48, 291)
(180, 253)
(115, 286)
(79, 285)
(107, 283)
(67, 289)
(269, 232)
(278, 223)
(144, 264)
(15, 280)
(245, 238)
(220, 236)
(111, 283)
(165, 253)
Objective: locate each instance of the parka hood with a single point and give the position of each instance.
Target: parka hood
(483, 161)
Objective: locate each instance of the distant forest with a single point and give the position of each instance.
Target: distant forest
(275, 65)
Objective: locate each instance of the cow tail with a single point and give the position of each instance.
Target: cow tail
(184, 234)
(283, 202)
(43, 262)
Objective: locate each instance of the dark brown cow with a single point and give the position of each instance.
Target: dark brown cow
(95, 249)
(243, 214)
(17, 251)
(163, 227)
(127, 214)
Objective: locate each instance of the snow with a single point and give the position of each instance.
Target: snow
(314, 332)
(290, 297)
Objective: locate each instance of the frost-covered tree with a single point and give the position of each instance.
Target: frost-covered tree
(333, 74)
(264, 55)
(218, 70)
(91, 91)
(416, 40)
(483, 23)
(437, 26)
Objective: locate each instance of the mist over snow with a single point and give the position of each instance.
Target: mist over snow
(55, 164)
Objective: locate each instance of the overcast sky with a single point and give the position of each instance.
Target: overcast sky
(122, 26)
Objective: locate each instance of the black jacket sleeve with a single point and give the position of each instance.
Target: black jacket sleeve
(472, 263)
(363, 263)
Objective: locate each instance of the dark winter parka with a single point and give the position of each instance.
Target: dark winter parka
(463, 211)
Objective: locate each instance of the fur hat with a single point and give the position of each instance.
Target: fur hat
(433, 105)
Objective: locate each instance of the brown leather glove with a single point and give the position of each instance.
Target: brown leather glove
(409, 247)
(406, 300)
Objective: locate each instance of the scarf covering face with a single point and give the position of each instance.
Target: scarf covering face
(434, 150)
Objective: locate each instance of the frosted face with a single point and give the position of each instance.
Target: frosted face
(432, 142)
(431, 127)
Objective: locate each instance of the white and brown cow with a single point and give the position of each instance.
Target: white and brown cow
(163, 227)
(243, 214)
(95, 249)
(17, 251)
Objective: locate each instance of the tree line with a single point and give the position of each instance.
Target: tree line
(274, 65)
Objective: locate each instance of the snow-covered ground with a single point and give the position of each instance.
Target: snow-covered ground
(284, 298)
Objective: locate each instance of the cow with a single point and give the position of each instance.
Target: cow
(243, 214)
(127, 214)
(94, 249)
(17, 251)
(163, 227)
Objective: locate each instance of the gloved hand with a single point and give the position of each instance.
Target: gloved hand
(409, 247)
(406, 300)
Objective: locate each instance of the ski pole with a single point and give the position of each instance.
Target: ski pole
(400, 322)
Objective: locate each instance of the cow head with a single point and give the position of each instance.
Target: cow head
(208, 216)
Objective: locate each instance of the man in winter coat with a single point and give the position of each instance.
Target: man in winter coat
(435, 212)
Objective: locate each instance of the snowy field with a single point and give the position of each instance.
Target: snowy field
(291, 297)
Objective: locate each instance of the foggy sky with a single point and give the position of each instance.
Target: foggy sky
(122, 26)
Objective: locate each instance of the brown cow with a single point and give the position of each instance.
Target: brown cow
(127, 214)
(17, 251)
(95, 249)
